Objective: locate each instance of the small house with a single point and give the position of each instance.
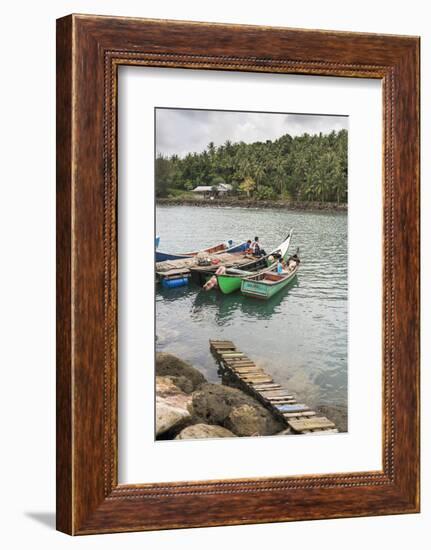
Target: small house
(211, 191)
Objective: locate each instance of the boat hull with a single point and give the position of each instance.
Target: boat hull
(263, 291)
(228, 283)
(164, 256)
(216, 249)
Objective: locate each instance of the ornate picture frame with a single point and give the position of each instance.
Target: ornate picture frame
(89, 51)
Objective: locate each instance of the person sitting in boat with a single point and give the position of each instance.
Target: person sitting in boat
(248, 249)
(294, 259)
(228, 244)
(292, 262)
(256, 249)
(280, 266)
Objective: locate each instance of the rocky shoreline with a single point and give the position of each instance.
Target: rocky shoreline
(189, 407)
(249, 203)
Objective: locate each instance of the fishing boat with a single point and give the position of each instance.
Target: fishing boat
(227, 246)
(267, 284)
(230, 281)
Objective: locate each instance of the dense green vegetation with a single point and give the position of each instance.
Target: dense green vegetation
(303, 168)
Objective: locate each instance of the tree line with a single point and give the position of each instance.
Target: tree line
(301, 168)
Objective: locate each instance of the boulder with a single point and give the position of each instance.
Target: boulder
(169, 365)
(172, 406)
(204, 431)
(183, 383)
(170, 393)
(213, 404)
(247, 420)
(168, 417)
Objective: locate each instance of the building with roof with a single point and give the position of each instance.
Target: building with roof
(211, 191)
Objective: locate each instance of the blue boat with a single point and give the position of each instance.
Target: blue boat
(227, 246)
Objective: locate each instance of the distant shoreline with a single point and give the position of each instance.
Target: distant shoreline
(245, 203)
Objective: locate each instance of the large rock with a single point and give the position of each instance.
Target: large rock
(216, 404)
(185, 376)
(169, 392)
(204, 431)
(169, 418)
(183, 383)
(247, 420)
(172, 406)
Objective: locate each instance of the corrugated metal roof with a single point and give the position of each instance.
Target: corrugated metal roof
(202, 188)
(209, 188)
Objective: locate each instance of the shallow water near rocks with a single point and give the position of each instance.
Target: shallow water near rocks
(300, 335)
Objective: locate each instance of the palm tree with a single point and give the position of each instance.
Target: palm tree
(248, 185)
(211, 148)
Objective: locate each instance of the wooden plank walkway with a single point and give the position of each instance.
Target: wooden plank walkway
(253, 379)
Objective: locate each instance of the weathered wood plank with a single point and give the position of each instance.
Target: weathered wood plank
(255, 378)
(233, 364)
(310, 424)
(274, 405)
(274, 402)
(282, 394)
(296, 407)
(247, 369)
(237, 359)
(224, 347)
(275, 396)
(258, 377)
(299, 414)
(271, 387)
(245, 365)
(275, 391)
(239, 363)
(264, 387)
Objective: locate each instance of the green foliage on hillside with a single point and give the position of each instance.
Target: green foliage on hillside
(303, 168)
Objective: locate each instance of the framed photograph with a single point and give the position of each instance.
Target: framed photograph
(237, 273)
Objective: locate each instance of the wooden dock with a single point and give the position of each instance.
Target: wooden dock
(255, 381)
(228, 259)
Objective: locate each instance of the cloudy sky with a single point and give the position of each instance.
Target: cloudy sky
(182, 131)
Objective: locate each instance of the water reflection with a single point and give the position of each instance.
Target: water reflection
(224, 306)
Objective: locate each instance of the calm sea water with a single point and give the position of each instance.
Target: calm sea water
(300, 335)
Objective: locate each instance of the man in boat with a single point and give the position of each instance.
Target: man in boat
(280, 266)
(292, 262)
(248, 249)
(256, 249)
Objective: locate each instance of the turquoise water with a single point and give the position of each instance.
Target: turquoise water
(300, 335)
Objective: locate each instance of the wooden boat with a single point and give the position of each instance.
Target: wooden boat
(227, 246)
(230, 281)
(267, 284)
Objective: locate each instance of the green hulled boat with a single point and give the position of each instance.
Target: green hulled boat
(231, 280)
(267, 284)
